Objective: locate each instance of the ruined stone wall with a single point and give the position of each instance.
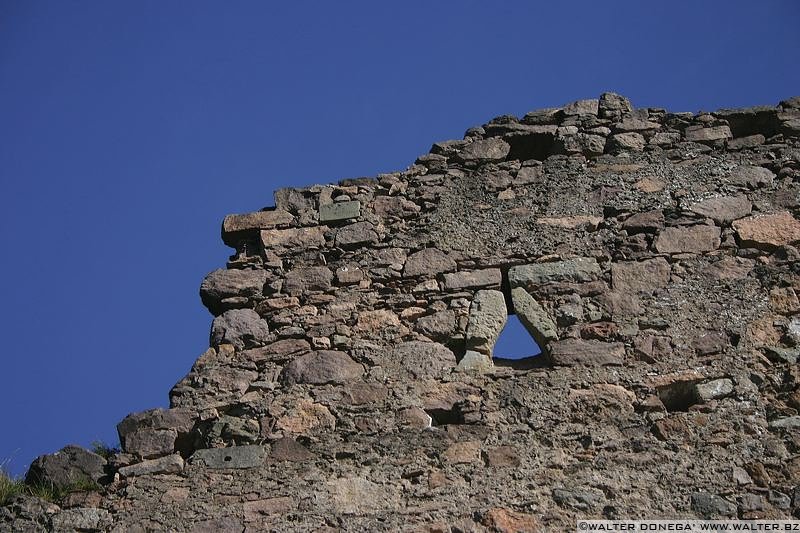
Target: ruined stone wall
(351, 385)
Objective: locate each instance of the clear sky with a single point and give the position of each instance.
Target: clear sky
(129, 129)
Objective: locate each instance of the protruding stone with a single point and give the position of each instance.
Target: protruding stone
(533, 316)
(154, 433)
(428, 262)
(640, 275)
(242, 328)
(768, 232)
(613, 106)
(234, 227)
(645, 222)
(724, 209)
(487, 317)
(236, 457)
(691, 239)
(581, 107)
(627, 142)
(475, 279)
(320, 367)
(338, 211)
(572, 352)
(224, 284)
(715, 389)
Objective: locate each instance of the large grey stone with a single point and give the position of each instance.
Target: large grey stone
(170, 464)
(572, 352)
(320, 367)
(627, 142)
(438, 326)
(475, 279)
(487, 317)
(338, 211)
(293, 239)
(712, 506)
(156, 432)
(305, 279)
(474, 362)
(723, 209)
(613, 106)
(691, 239)
(579, 270)
(533, 316)
(428, 262)
(250, 456)
(638, 276)
(224, 284)
(582, 107)
(242, 328)
(708, 135)
(714, 389)
(418, 359)
(492, 149)
(355, 235)
(72, 464)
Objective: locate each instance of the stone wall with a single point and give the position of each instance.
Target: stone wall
(350, 382)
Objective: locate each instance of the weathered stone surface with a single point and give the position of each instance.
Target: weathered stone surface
(394, 206)
(355, 235)
(475, 279)
(712, 390)
(768, 231)
(438, 326)
(487, 318)
(711, 134)
(306, 416)
(691, 239)
(81, 519)
(533, 316)
(581, 269)
(631, 141)
(507, 521)
(70, 465)
(305, 279)
(293, 239)
(149, 442)
(288, 449)
(235, 225)
(711, 506)
(571, 352)
(236, 457)
(613, 106)
(492, 149)
(751, 176)
(225, 284)
(582, 107)
(418, 359)
(645, 222)
(320, 367)
(474, 362)
(635, 124)
(338, 211)
(357, 495)
(170, 464)
(428, 262)
(637, 276)
(242, 328)
(724, 209)
(572, 222)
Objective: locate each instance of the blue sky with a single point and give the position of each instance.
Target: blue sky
(129, 129)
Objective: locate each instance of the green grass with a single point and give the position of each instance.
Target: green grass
(10, 487)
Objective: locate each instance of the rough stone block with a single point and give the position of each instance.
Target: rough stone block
(293, 239)
(487, 317)
(355, 235)
(242, 328)
(475, 279)
(250, 456)
(751, 176)
(578, 270)
(533, 316)
(691, 239)
(418, 359)
(709, 135)
(582, 107)
(304, 279)
(339, 211)
(768, 232)
(171, 464)
(640, 276)
(235, 227)
(320, 367)
(223, 284)
(474, 362)
(428, 262)
(724, 209)
(71, 464)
